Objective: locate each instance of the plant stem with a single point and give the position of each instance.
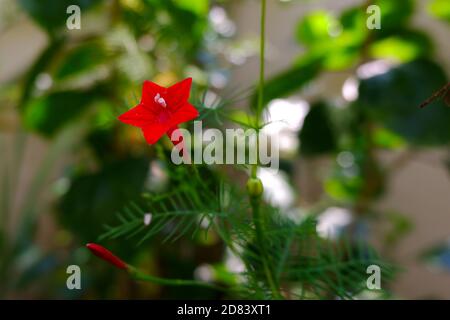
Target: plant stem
(261, 61)
(259, 229)
(260, 105)
(139, 275)
(256, 200)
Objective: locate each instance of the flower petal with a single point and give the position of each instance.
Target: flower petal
(178, 94)
(178, 143)
(185, 113)
(169, 134)
(138, 116)
(149, 91)
(153, 132)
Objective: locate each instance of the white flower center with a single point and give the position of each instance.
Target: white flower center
(159, 100)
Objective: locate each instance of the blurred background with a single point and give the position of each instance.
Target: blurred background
(343, 100)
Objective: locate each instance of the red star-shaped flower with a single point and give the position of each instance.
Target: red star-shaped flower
(161, 109)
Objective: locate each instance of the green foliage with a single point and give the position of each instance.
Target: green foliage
(93, 198)
(39, 66)
(290, 80)
(440, 9)
(337, 41)
(82, 59)
(50, 14)
(189, 207)
(220, 109)
(300, 260)
(383, 97)
(359, 181)
(404, 46)
(185, 211)
(400, 226)
(386, 139)
(314, 28)
(199, 7)
(18, 245)
(317, 135)
(50, 113)
(394, 13)
(167, 40)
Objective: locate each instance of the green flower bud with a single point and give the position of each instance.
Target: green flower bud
(255, 187)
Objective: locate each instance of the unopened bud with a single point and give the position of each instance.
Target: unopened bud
(255, 187)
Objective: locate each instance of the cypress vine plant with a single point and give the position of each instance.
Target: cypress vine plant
(283, 259)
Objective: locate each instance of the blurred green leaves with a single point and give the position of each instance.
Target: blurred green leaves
(438, 256)
(50, 113)
(338, 43)
(393, 98)
(39, 66)
(317, 136)
(199, 7)
(144, 38)
(440, 9)
(400, 226)
(314, 28)
(404, 46)
(290, 80)
(82, 59)
(386, 139)
(50, 14)
(394, 13)
(93, 199)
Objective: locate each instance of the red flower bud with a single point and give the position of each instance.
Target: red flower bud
(107, 255)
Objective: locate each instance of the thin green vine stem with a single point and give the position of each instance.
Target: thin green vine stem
(259, 229)
(262, 60)
(140, 276)
(260, 103)
(256, 200)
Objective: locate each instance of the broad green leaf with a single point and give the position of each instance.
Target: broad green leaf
(394, 14)
(81, 59)
(51, 14)
(384, 138)
(354, 19)
(199, 7)
(93, 199)
(290, 80)
(393, 98)
(317, 136)
(338, 42)
(50, 113)
(403, 46)
(315, 28)
(343, 188)
(440, 9)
